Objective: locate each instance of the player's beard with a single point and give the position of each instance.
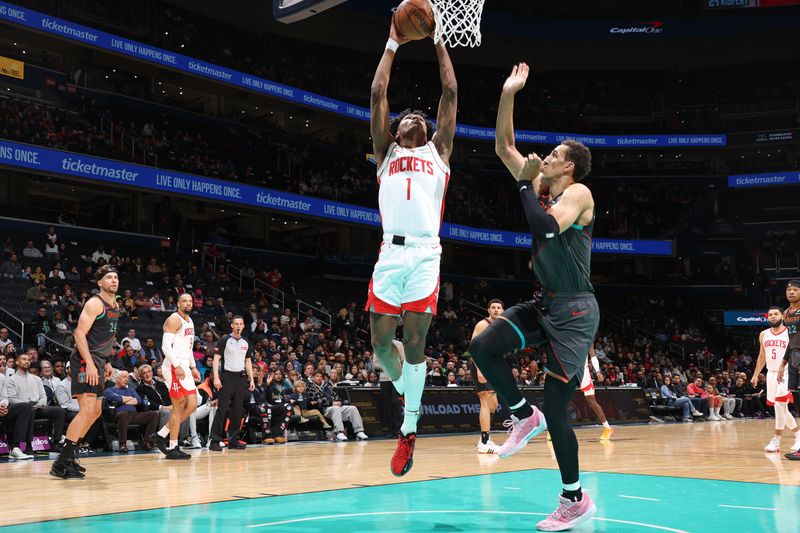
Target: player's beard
(777, 324)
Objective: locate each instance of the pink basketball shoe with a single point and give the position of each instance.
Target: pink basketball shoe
(568, 514)
(521, 431)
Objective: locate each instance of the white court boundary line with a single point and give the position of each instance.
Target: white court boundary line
(438, 511)
(639, 498)
(745, 507)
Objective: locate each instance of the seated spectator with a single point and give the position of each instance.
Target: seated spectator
(38, 292)
(154, 395)
(672, 399)
(11, 268)
(270, 414)
(38, 274)
(699, 403)
(279, 384)
(714, 401)
(56, 273)
(62, 332)
(18, 419)
(744, 391)
(729, 404)
(125, 400)
(150, 351)
(324, 397)
(31, 252)
(24, 387)
(300, 405)
(99, 254)
(4, 340)
(135, 344)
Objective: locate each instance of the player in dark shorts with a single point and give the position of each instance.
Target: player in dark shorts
(566, 317)
(95, 337)
(483, 389)
(791, 319)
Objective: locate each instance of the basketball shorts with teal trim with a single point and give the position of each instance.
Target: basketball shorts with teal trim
(565, 326)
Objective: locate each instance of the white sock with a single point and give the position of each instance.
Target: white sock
(606, 425)
(399, 385)
(572, 486)
(414, 378)
(164, 432)
(173, 444)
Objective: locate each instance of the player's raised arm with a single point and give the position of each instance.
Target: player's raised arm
(379, 104)
(504, 135)
(448, 105)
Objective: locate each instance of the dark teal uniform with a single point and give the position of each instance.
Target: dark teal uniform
(566, 318)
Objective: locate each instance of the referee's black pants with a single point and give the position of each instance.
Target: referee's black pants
(234, 385)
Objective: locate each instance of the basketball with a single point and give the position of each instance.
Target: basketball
(413, 20)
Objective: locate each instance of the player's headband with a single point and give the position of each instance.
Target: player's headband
(793, 283)
(103, 270)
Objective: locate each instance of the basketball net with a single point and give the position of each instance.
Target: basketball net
(458, 22)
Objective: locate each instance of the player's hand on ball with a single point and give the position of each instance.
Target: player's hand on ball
(394, 35)
(516, 81)
(531, 168)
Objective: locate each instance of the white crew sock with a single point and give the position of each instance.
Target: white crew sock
(606, 425)
(414, 379)
(173, 444)
(164, 432)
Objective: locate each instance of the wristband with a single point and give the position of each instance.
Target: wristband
(392, 45)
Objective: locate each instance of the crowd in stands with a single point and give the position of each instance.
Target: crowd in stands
(300, 359)
(654, 101)
(256, 156)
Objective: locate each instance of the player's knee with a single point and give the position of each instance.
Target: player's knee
(414, 344)
(381, 343)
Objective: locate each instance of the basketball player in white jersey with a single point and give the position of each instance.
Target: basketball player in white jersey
(483, 388)
(413, 172)
(587, 387)
(180, 373)
(773, 342)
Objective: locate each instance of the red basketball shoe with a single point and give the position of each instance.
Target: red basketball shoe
(403, 458)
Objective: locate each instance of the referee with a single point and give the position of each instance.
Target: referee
(237, 370)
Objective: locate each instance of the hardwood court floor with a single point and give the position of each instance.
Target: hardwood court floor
(730, 451)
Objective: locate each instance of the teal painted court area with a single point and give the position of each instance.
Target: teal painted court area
(504, 502)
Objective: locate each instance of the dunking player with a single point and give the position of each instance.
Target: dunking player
(482, 387)
(413, 173)
(566, 318)
(791, 319)
(94, 344)
(587, 387)
(180, 372)
(773, 342)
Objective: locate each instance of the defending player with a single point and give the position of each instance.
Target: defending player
(566, 318)
(484, 390)
(413, 173)
(181, 374)
(587, 387)
(94, 344)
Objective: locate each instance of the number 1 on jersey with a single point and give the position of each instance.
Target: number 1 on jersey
(408, 189)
